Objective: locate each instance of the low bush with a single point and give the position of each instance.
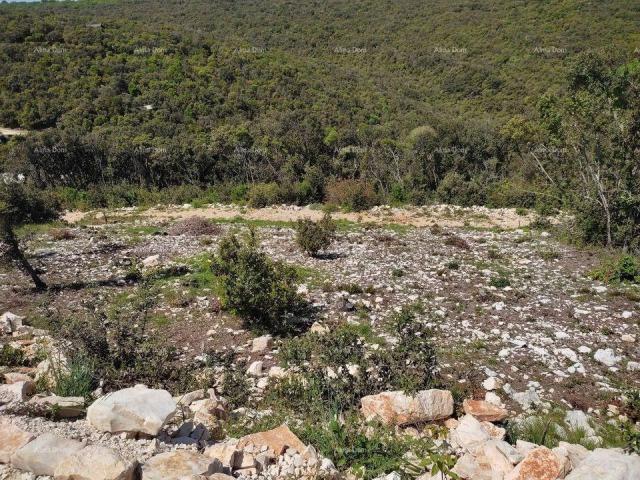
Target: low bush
(263, 194)
(458, 242)
(371, 451)
(315, 236)
(622, 268)
(115, 345)
(194, 226)
(354, 195)
(11, 357)
(454, 189)
(262, 291)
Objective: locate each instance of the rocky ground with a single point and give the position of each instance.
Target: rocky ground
(516, 319)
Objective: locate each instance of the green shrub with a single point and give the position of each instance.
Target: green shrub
(456, 190)
(370, 451)
(76, 380)
(263, 194)
(315, 236)
(354, 195)
(11, 357)
(624, 268)
(500, 282)
(115, 345)
(262, 291)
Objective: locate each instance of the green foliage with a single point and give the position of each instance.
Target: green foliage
(315, 236)
(622, 268)
(369, 451)
(500, 282)
(11, 357)
(354, 195)
(263, 194)
(76, 379)
(262, 291)
(115, 345)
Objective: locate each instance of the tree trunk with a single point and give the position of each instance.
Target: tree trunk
(16, 254)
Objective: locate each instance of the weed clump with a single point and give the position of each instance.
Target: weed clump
(458, 242)
(315, 236)
(262, 291)
(194, 226)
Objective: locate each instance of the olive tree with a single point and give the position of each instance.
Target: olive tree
(20, 204)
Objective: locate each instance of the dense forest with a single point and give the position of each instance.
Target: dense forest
(505, 103)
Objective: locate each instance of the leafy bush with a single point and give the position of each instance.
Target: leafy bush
(11, 357)
(260, 290)
(117, 347)
(263, 194)
(355, 195)
(194, 226)
(624, 268)
(315, 236)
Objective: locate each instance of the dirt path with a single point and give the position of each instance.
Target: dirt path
(444, 215)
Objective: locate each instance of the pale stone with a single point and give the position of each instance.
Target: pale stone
(576, 453)
(63, 407)
(15, 377)
(151, 261)
(225, 452)
(607, 357)
(94, 462)
(277, 440)
(492, 383)
(11, 439)
(277, 372)
(42, 455)
(179, 464)
(17, 392)
(255, 369)
(262, 344)
(607, 464)
(137, 409)
(467, 467)
(469, 434)
(10, 322)
(397, 408)
(484, 411)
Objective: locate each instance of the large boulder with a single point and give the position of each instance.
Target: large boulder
(606, 464)
(398, 408)
(42, 455)
(179, 464)
(484, 411)
(539, 464)
(95, 462)
(138, 410)
(11, 439)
